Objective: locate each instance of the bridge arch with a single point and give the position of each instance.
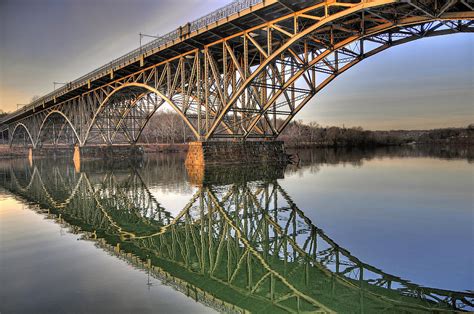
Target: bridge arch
(354, 62)
(148, 90)
(47, 117)
(133, 105)
(21, 125)
(403, 30)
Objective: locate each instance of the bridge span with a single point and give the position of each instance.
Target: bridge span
(240, 73)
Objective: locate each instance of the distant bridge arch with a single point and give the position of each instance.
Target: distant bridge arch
(47, 118)
(146, 90)
(21, 125)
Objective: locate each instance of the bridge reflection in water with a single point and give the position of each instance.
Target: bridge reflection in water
(240, 244)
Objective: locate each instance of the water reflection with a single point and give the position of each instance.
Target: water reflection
(357, 156)
(240, 243)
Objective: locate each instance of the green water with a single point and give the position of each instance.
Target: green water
(369, 231)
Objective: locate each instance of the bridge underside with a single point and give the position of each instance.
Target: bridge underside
(237, 82)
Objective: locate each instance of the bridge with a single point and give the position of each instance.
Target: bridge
(240, 73)
(238, 245)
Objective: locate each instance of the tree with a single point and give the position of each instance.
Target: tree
(313, 130)
(167, 126)
(333, 135)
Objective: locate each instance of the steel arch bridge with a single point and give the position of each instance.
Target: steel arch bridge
(241, 72)
(246, 239)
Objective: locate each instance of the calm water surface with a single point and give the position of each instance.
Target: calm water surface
(348, 231)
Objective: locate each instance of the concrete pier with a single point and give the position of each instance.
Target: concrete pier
(250, 152)
(224, 174)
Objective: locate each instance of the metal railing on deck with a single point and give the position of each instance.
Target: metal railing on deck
(133, 56)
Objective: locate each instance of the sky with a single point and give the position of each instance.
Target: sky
(427, 83)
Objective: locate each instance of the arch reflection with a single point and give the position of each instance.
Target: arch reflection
(239, 244)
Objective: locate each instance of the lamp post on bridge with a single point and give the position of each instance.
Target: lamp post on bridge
(57, 83)
(145, 35)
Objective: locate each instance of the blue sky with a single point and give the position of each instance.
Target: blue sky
(424, 84)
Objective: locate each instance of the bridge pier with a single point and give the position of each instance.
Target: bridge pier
(225, 174)
(248, 152)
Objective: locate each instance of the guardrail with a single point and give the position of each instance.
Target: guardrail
(133, 56)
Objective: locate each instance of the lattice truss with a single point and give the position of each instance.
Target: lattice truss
(254, 239)
(251, 84)
(106, 197)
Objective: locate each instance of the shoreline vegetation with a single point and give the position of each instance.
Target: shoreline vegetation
(301, 135)
(167, 132)
(168, 128)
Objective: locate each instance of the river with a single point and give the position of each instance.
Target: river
(369, 231)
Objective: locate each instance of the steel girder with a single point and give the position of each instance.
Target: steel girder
(250, 84)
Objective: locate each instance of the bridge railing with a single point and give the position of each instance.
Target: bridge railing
(133, 56)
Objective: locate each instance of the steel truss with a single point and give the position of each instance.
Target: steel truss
(249, 237)
(250, 84)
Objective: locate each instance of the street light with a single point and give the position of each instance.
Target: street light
(145, 35)
(58, 83)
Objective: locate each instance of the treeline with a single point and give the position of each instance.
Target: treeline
(168, 127)
(448, 134)
(300, 134)
(357, 155)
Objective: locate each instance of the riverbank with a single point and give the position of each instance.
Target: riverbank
(7, 152)
(462, 143)
(299, 134)
(165, 148)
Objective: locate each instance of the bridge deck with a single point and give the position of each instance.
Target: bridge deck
(224, 22)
